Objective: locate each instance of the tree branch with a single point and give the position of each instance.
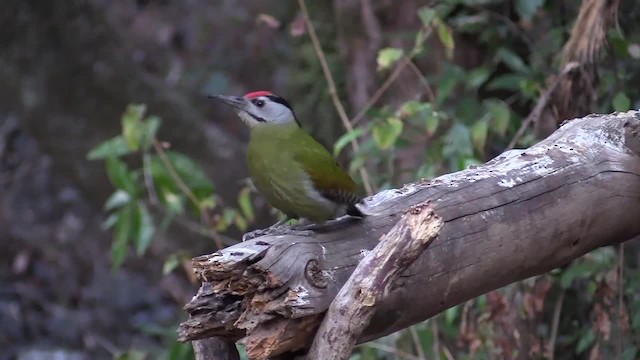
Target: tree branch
(215, 349)
(523, 213)
(355, 304)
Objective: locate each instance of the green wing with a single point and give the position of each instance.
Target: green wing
(326, 174)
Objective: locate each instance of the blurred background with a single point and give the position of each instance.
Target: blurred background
(115, 168)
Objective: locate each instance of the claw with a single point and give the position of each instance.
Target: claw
(327, 225)
(274, 231)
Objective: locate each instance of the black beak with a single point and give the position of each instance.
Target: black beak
(233, 101)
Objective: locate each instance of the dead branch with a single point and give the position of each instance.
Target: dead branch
(355, 304)
(215, 349)
(521, 214)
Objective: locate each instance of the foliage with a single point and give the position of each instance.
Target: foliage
(468, 112)
(163, 186)
(467, 115)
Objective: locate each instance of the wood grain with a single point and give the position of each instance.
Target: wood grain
(523, 213)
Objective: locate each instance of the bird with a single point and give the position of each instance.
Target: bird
(289, 168)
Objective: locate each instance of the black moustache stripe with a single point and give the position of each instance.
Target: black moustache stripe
(258, 118)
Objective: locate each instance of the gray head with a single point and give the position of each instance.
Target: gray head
(260, 108)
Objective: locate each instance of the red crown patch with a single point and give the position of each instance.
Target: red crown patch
(256, 94)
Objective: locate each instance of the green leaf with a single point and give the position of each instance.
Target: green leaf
(476, 77)
(209, 202)
(244, 201)
(448, 81)
(117, 199)
(630, 353)
(174, 202)
(109, 221)
(513, 61)
(479, 135)
(171, 264)
(421, 114)
(500, 116)
(385, 133)
(346, 139)
(180, 351)
(132, 355)
(578, 270)
(114, 147)
(621, 102)
(228, 218)
(457, 142)
(418, 44)
(426, 15)
(446, 38)
(388, 56)
(132, 127)
(506, 82)
(431, 122)
(188, 170)
(122, 235)
(585, 341)
(150, 129)
(121, 177)
(143, 229)
(527, 8)
(451, 314)
(240, 222)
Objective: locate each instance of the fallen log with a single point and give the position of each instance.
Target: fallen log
(523, 213)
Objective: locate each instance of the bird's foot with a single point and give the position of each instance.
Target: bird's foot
(274, 231)
(327, 225)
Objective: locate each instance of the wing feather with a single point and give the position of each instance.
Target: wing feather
(327, 176)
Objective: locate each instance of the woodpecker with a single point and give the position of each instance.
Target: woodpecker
(294, 172)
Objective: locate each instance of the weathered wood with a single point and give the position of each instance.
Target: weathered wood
(215, 349)
(355, 303)
(523, 213)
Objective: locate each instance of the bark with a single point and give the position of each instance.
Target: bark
(354, 305)
(523, 213)
(215, 349)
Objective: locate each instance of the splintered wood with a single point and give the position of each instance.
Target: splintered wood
(247, 296)
(355, 304)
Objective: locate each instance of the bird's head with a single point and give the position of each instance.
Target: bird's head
(260, 108)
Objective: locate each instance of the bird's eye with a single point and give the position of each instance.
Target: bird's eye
(259, 103)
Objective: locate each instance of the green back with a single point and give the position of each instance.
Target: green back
(326, 174)
(294, 144)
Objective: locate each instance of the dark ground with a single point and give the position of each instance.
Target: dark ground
(57, 290)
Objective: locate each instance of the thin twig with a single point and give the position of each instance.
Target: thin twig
(436, 337)
(515, 28)
(416, 342)
(542, 104)
(148, 179)
(423, 81)
(447, 353)
(376, 96)
(555, 323)
(194, 226)
(186, 190)
(392, 77)
(620, 300)
(154, 202)
(391, 350)
(333, 91)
